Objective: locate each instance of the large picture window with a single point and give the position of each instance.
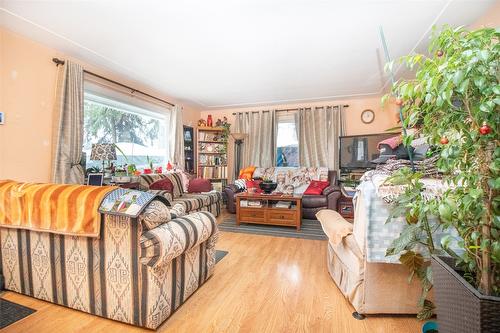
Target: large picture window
(287, 143)
(139, 134)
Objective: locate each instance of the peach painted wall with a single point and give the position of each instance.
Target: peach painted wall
(385, 117)
(490, 19)
(27, 83)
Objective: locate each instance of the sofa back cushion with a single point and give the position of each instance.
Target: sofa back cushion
(164, 184)
(199, 185)
(176, 179)
(298, 177)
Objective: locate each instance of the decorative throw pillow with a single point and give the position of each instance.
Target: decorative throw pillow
(247, 173)
(241, 184)
(164, 184)
(199, 185)
(155, 214)
(253, 186)
(316, 187)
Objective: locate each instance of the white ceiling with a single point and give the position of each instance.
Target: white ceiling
(230, 53)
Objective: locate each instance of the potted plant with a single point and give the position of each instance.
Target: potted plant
(455, 96)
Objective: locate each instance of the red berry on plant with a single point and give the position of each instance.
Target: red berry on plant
(444, 140)
(485, 129)
(439, 53)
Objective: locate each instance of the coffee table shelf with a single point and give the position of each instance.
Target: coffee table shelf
(267, 212)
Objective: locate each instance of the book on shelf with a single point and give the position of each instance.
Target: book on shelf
(211, 136)
(213, 172)
(211, 160)
(254, 203)
(283, 204)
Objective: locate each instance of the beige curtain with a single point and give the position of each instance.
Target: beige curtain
(176, 150)
(319, 131)
(68, 131)
(259, 147)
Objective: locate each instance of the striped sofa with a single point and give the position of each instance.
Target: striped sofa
(192, 202)
(139, 271)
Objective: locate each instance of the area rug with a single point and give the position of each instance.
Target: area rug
(310, 229)
(219, 254)
(12, 312)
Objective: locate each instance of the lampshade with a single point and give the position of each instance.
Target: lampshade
(103, 152)
(239, 136)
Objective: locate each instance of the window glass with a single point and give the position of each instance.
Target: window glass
(287, 143)
(140, 135)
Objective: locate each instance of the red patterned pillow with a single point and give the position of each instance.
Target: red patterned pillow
(198, 185)
(163, 184)
(316, 187)
(254, 184)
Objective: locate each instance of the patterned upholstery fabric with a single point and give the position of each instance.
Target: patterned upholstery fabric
(192, 202)
(297, 177)
(146, 180)
(198, 201)
(104, 276)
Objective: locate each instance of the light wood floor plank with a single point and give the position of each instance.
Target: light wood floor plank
(264, 284)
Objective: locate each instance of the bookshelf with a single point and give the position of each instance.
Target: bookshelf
(211, 159)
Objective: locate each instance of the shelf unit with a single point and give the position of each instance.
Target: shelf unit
(189, 149)
(211, 156)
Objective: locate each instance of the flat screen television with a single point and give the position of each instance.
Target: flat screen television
(356, 151)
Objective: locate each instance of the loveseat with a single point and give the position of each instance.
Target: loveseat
(210, 201)
(138, 270)
(299, 179)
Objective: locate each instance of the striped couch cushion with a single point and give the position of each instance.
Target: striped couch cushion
(146, 180)
(195, 201)
(176, 179)
(160, 245)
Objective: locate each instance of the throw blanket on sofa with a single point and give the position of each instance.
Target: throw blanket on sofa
(56, 208)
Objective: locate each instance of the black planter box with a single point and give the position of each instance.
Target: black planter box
(459, 306)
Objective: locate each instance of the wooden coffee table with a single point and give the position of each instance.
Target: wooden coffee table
(267, 212)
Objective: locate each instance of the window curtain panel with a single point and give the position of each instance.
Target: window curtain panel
(319, 132)
(259, 147)
(68, 131)
(176, 149)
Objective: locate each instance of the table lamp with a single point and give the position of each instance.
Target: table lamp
(103, 152)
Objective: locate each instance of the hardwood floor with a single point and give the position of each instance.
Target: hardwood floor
(264, 284)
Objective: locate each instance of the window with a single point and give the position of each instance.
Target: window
(287, 143)
(139, 134)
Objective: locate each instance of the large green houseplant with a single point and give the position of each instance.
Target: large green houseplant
(454, 99)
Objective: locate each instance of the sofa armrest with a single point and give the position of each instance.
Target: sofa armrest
(169, 240)
(334, 225)
(230, 191)
(331, 189)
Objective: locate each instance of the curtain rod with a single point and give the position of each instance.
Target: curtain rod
(133, 90)
(281, 110)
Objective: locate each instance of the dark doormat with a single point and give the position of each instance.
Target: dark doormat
(219, 254)
(12, 312)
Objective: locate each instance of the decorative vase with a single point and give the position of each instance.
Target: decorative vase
(460, 307)
(268, 187)
(148, 171)
(209, 121)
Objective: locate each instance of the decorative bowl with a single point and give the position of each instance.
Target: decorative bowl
(268, 187)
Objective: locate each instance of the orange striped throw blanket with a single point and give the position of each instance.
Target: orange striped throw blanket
(56, 208)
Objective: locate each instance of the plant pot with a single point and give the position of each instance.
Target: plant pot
(459, 306)
(268, 187)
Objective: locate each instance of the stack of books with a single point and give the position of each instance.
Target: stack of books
(283, 204)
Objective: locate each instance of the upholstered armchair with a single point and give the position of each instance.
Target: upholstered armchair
(311, 204)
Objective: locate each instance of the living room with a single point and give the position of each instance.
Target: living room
(261, 166)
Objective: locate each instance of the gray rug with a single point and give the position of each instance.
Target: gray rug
(219, 254)
(12, 312)
(310, 229)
